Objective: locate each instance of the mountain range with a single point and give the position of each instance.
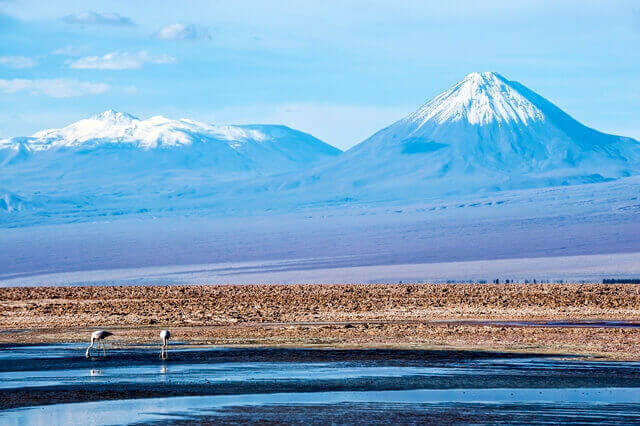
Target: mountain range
(160, 143)
(484, 134)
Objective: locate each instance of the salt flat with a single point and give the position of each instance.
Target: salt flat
(580, 232)
(589, 268)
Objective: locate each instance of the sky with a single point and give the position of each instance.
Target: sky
(339, 70)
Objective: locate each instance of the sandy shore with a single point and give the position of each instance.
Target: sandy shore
(456, 316)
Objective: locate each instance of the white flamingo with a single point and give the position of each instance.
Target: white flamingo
(98, 335)
(165, 335)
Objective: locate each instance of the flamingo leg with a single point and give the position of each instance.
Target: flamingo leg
(163, 348)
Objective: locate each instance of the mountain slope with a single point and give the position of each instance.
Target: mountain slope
(117, 162)
(258, 148)
(484, 133)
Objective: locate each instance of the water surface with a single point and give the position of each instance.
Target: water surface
(55, 384)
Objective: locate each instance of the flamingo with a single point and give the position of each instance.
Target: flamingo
(98, 335)
(165, 335)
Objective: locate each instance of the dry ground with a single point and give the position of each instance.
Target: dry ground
(421, 315)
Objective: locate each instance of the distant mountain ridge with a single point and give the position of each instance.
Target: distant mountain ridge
(263, 148)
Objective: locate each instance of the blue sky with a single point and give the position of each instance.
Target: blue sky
(339, 70)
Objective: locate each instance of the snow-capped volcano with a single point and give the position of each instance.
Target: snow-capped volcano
(258, 143)
(486, 132)
(480, 99)
(114, 157)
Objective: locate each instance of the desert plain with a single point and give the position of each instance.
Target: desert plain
(594, 320)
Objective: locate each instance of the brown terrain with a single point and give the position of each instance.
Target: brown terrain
(453, 316)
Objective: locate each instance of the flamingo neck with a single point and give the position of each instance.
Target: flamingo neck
(90, 346)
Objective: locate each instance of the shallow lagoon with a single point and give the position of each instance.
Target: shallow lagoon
(163, 409)
(55, 384)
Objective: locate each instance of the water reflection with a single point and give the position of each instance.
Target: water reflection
(164, 353)
(617, 404)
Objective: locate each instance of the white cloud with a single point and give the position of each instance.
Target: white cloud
(181, 32)
(120, 61)
(17, 62)
(98, 18)
(55, 88)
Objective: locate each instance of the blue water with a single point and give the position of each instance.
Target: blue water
(212, 373)
(538, 388)
(60, 350)
(157, 409)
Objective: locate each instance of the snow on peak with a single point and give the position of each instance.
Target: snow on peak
(114, 127)
(483, 76)
(109, 126)
(180, 144)
(480, 98)
(114, 116)
(119, 128)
